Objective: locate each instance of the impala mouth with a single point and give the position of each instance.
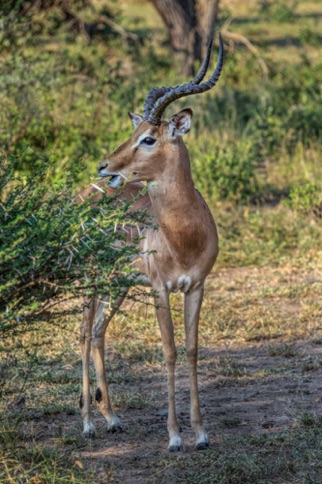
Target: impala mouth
(114, 179)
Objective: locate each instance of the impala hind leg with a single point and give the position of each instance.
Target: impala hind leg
(166, 327)
(192, 305)
(85, 343)
(102, 318)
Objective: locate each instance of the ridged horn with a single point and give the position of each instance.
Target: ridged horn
(171, 94)
(156, 92)
(203, 71)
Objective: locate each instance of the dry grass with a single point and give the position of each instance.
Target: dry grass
(260, 361)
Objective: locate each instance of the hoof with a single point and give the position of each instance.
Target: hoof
(202, 446)
(115, 429)
(89, 435)
(203, 442)
(114, 425)
(175, 444)
(89, 431)
(175, 448)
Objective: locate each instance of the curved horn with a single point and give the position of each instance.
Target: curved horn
(203, 71)
(187, 89)
(154, 94)
(157, 92)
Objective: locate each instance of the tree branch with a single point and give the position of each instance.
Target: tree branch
(235, 37)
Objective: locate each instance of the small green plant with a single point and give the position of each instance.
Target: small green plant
(307, 420)
(305, 122)
(306, 198)
(127, 399)
(310, 37)
(281, 11)
(230, 368)
(266, 128)
(285, 350)
(230, 422)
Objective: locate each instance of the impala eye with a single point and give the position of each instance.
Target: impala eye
(148, 141)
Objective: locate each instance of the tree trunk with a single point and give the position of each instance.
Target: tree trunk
(189, 23)
(207, 15)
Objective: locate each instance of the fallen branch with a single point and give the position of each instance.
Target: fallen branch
(90, 29)
(117, 28)
(234, 37)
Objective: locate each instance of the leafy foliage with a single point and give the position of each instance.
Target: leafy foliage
(306, 198)
(47, 17)
(68, 99)
(54, 250)
(280, 11)
(227, 172)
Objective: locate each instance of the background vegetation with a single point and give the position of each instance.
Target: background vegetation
(256, 156)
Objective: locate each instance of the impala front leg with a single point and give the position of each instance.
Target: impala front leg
(166, 327)
(98, 344)
(192, 305)
(85, 343)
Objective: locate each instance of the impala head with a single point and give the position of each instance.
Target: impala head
(142, 156)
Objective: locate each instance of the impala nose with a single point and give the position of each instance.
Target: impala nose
(102, 166)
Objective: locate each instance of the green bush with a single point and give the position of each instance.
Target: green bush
(54, 251)
(25, 20)
(227, 171)
(306, 121)
(47, 109)
(267, 130)
(306, 198)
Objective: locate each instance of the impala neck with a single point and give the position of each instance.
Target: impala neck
(175, 202)
(174, 187)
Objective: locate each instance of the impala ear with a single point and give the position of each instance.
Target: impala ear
(180, 123)
(136, 119)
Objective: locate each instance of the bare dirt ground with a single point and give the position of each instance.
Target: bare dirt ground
(256, 384)
(290, 387)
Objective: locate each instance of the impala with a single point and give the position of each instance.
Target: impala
(183, 249)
